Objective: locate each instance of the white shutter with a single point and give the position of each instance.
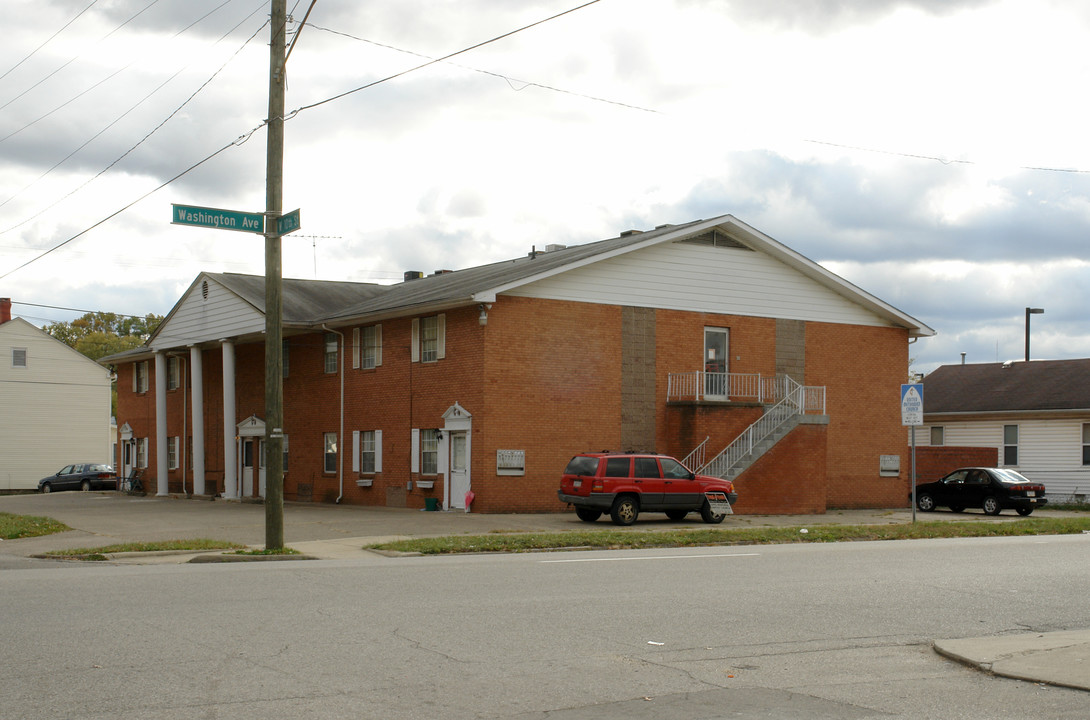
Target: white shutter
(378, 451)
(355, 451)
(378, 350)
(416, 340)
(414, 462)
(441, 336)
(355, 348)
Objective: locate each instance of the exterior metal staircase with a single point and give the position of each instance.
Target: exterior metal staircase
(776, 422)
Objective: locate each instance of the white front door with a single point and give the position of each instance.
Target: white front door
(248, 445)
(459, 469)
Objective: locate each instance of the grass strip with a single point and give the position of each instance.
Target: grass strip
(13, 527)
(100, 553)
(635, 539)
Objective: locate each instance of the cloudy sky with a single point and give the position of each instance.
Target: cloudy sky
(933, 152)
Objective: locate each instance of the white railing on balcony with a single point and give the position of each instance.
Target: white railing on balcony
(741, 387)
(793, 404)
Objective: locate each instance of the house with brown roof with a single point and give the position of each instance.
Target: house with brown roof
(1036, 415)
(708, 340)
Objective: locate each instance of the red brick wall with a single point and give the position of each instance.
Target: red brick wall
(551, 375)
(862, 369)
(789, 479)
(934, 463)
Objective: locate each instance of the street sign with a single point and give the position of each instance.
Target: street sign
(217, 218)
(287, 223)
(912, 404)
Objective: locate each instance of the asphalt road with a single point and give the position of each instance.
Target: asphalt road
(802, 631)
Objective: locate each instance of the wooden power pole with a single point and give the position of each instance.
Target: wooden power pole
(274, 304)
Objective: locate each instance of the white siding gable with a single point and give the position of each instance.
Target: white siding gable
(702, 278)
(222, 314)
(63, 407)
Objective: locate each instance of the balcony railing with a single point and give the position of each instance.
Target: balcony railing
(743, 387)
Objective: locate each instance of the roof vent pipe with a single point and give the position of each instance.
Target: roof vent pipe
(963, 358)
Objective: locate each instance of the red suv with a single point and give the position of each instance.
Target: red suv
(625, 484)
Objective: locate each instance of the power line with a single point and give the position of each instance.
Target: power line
(511, 81)
(944, 161)
(48, 40)
(243, 138)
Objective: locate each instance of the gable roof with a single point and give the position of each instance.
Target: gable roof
(482, 284)
(1039, 385)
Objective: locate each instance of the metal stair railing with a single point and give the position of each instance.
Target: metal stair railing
(794, 403)
(695, 459)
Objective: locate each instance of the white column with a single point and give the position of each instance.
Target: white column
(160, 424)
(197, 397)
(230, 476)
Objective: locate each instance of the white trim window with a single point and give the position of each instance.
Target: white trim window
(173, 372)
(1010, 445)
(140, 379)
(429, 338)
(370, 347)
(142, 452)
(329, 441)
(429, 452)
(367, 451)
(938, 436)
(18, 358)
(330, 353)
(172, 453)
(1085, 444)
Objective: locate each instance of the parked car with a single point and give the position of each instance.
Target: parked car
(626, 484)
(991, 489)
(85, 476)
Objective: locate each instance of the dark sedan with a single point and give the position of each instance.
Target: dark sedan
(990, 489)
(85, 476)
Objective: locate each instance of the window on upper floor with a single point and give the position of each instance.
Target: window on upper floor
(429, 338)
(331, 352)
(173, 372)
(368, 347)
(140, 379)
(18, 357)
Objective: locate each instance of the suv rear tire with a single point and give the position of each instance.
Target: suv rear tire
(587, 514)
(625, 510)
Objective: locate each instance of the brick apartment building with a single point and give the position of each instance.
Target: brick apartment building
(487, 380)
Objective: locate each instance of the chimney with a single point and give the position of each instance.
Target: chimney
(413, 275)
(5, 310)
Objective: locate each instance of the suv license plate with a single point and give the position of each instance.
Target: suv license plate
(577, 484)
(717, 503)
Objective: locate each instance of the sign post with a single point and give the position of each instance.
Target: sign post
(912, 415)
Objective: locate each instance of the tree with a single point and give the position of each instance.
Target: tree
(98, 334)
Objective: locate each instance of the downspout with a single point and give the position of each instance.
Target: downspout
(340, 435)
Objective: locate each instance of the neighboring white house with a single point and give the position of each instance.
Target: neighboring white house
(55, 405)
(1035, 414)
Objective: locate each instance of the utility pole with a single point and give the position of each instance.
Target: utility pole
(274, 303)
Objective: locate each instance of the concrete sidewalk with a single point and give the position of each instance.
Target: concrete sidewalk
(1055, 658)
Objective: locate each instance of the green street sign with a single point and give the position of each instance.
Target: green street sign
(217, 218)
(287, 223)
